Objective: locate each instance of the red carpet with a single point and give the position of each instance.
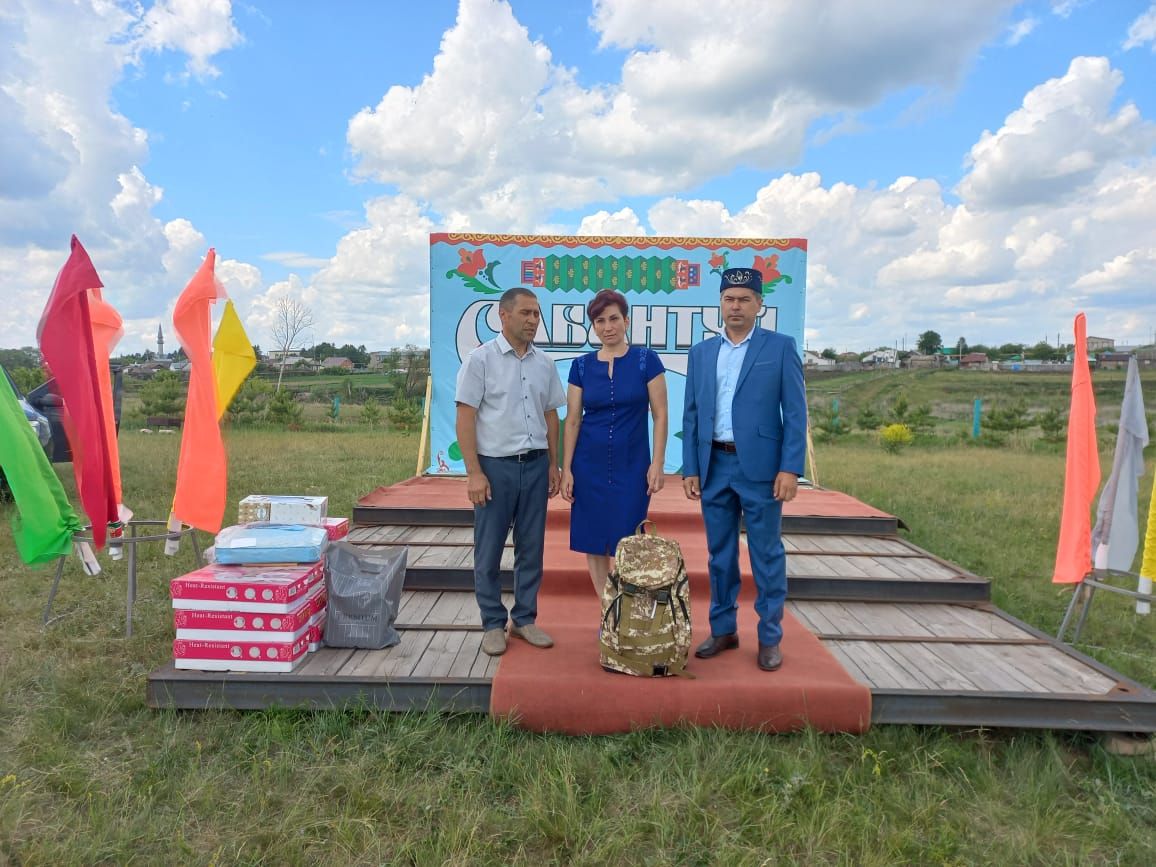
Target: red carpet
(564, 689)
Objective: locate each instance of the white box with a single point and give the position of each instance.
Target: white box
(283, 509)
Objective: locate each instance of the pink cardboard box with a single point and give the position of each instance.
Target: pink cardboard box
(198, 625)
(240, 655)
(254, 588)
(337, 528)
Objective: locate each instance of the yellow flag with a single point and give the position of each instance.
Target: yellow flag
(1148, 565)
(233, 357)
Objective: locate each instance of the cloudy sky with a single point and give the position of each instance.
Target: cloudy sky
(984, 168)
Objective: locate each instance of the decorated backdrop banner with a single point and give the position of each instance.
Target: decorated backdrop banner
(671, 285)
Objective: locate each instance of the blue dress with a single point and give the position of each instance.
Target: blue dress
(612, 454)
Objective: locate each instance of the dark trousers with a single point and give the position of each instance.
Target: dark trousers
(728, 497)
(519, 491)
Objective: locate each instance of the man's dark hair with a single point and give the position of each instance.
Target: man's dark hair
(510, 297)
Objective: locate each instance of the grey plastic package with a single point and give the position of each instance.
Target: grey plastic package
(364, 596)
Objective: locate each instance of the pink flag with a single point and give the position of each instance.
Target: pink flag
(66, 345)
(1082, 476)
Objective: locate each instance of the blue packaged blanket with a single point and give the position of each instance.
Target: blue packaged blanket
(270, 543)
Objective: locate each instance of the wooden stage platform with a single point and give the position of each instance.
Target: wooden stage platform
(919, 632)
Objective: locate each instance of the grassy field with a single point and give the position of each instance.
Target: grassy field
(89, 775)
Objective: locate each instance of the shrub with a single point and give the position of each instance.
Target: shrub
(404, 413)
(163, 395)
(371, 412)
(868, 419)
(920, 419)
(283, 409)
(826, 423)
(250, 403)
(895, 436)
(1051, 424)
(899, 410)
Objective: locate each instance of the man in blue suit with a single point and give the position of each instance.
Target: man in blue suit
(744, 431)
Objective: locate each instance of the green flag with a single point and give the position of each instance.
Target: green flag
(44, 521)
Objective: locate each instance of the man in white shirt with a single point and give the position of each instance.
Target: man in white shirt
(508, 394)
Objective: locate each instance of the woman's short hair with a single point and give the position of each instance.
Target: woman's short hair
(603, 300)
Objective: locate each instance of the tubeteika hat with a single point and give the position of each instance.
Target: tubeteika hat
(742, 278)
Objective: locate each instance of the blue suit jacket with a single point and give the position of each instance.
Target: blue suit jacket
(769, 413)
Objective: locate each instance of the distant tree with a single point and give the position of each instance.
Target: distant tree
(829, 353)
(920, 420)
(371, 412)
(868, 419)
(251, 401)
(1009, 419)
(1051, 424)
(27, 378)
(1009, 349)
(404, 412)
(163, 395)
(825, 421)
(929, 342)
(979, 347)
(291, 320)
(960, 347)
(1041, 351)
(26, 357)
(283, 409)
(899, 410)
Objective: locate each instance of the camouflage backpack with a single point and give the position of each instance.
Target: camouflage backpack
(646, 608)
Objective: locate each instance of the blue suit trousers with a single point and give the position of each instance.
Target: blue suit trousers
(728, 498)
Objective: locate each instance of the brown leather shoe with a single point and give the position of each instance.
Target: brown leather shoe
(716, 644)
(770, 657)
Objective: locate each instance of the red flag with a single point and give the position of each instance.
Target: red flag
(200, 494)
(66, 346)
(1082, 476)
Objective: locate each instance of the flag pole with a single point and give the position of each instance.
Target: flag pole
(424, 427)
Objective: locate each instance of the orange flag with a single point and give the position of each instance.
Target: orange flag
(1082, 476)
(107, 330)
(200, 493)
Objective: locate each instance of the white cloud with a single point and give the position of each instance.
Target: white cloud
(1021, 30)
(200, 29)
(1142, 30)
(70, 163)
(499, 145)
(1058, 141)
(1135, 269)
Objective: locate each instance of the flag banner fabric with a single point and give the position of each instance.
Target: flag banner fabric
(200, 490)
(671, 286)
(1148, 562)
(233, 358)
(65, 335)
(1116, 535)
(107, 330)
(44, 522)
(1082, 473)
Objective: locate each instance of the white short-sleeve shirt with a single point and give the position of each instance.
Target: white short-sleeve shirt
(511, 396)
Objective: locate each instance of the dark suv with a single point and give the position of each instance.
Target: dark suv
(44, 409)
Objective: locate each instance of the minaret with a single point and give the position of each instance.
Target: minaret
(160, 342)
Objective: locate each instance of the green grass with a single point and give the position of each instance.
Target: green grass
(89, 775)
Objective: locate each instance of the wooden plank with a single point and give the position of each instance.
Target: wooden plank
(804, 544)
(846, 567)
(439, 655)
(325, 661)
(984, 668)
(839, 621)
(883, 671)
(360, 664)
(1071, 675)
(421, 603)
(448, 609)
(987, 624)
(842, 652)
(882, 618)
(507, 563)
(940, 673)
(809, 564)
(467, 655)
(914, 670)
(481, 665)
(399, 661)
(438, 557)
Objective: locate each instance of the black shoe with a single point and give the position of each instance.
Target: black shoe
(770, 657)
(716, 644)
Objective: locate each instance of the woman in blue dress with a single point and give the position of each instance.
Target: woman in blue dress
(609, 470)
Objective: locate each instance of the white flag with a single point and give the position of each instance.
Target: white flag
(1117, 532)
